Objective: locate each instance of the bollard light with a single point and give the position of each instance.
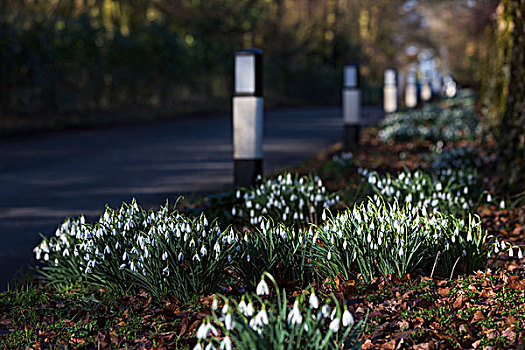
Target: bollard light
(436, 83)
(426, 91)
(390, 91)
(248, 105)
(411, 90)
(351, 105)
(450, 86)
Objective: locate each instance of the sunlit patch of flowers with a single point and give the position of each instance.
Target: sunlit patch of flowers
(446, 190)
(377, 238)
(254, 323)
(458, 121)
(290, 199)
(160, 251)
(281, 250)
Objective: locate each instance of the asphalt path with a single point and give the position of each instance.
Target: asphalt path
(48, 178)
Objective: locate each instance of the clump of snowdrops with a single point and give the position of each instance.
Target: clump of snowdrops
(281, 250)
(377, 238)
(446, 190)
(290, 199)
(457, 158)
(456, 121)
(255, 323)
(126, 249)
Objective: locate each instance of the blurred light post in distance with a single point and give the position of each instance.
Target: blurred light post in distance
(248, 103)
(390, 92)
(426, 91)
(411, 90)
(351, 105)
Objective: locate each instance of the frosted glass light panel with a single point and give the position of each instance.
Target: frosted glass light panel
(244, 74)
(350, 76)
(390, 77)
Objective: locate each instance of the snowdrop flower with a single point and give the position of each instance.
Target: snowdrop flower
(242, 307)
(489, 198)
(469, 236)
(124, 256)
(348, 320)
(196, 257)
(261, 318)
(262, 288)
(502, 205)
(329, 256)
(205, 329)
(166, 271)
(164, 255)
(295, 317)
(511, 252)
(225, 308)
(249, 309)
(229, 324)
(334, 325)
(180, 256)
(520, 254)
(226, 344)
(314, 301)
(325, 310)
(203, 251)
(122, 266)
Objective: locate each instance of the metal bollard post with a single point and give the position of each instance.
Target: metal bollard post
(390, 92)
(351, 105)
(248, 118)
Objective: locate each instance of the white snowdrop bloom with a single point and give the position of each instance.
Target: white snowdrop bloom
(124, 256)
(401, 251)
(439, 187)
(238, 194)
(314, 301)
(348, 320)
(122, 266)
(164, 255)
(465, 190)
(234, 211)
(210, 346)
(295, 317)
(203, 251)
(132, 266)
(192, 243)
(469, 236)
(46, 257)
(226, 344)
(66, 252)
(249, 309)
(511, 252)
(329, 256)
(502, 205)
(489, 198)
(196, 257)
(242, 307)
(261, 318)
(325, 310)
(180, 256)
(334, 325)
(369, 237)
(262, 288)
(225, 308)
(166, 271)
